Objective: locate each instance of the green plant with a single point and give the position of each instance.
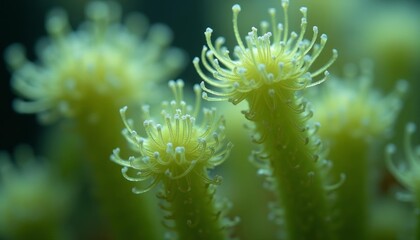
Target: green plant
(407, 173)
(34, 202)
(356, 119)
(179, 151)
(82, 77)
(314, 137)
(269, 75)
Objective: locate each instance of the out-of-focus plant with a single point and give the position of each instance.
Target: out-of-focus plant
(34, 203)
(319, 170)
(407, 173)
(355, 119)
(83, 77)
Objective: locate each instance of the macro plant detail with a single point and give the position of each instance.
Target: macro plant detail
(293, 151)
(407, 172)
(352, 106)
(178, 152)
(103, 57)
(80, 78)
(270, 76)
(358, 115)
(33, 200)
(266, 64)
(178, 147)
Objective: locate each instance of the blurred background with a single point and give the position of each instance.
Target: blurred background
(386, 30)
(22, 21)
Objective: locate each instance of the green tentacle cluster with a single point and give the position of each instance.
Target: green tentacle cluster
(269, 72)
(179, 151)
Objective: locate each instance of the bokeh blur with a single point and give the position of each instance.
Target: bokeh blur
(388, 31)
(385, 31)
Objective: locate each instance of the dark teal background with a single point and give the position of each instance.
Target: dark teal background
(22, 21)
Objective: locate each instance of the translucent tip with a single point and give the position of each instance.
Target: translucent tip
(236, 8)
(123, 109)
(171, 83)
(180, 149)
(410, 128)
(180, 83)
(15, 55)
(160, 34)
(197, 88)
(391, 149)
(98, 10)
(204, 96)
(56, 21)
(402, 86)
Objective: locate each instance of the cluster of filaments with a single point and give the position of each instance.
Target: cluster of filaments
(176, 148)
(103, 58)
(265, 64)
(408, 172)
(353, 106)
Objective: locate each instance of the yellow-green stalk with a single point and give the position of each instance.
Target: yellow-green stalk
(270, 72)
(357, 117)
(84, 77)
(179, 151)
(395, 55)
(408, 173)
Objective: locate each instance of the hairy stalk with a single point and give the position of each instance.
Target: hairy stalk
(193, 210)
(270, 70)
(179, 152)
(295, 167)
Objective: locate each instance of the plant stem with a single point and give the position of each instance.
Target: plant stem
(350, 156)
(193, 209)
(130, 216)
(299, 180)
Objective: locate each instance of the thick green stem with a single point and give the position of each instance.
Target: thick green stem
(130, 216)
(299, 180)
(194, 211)
(350, 156)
